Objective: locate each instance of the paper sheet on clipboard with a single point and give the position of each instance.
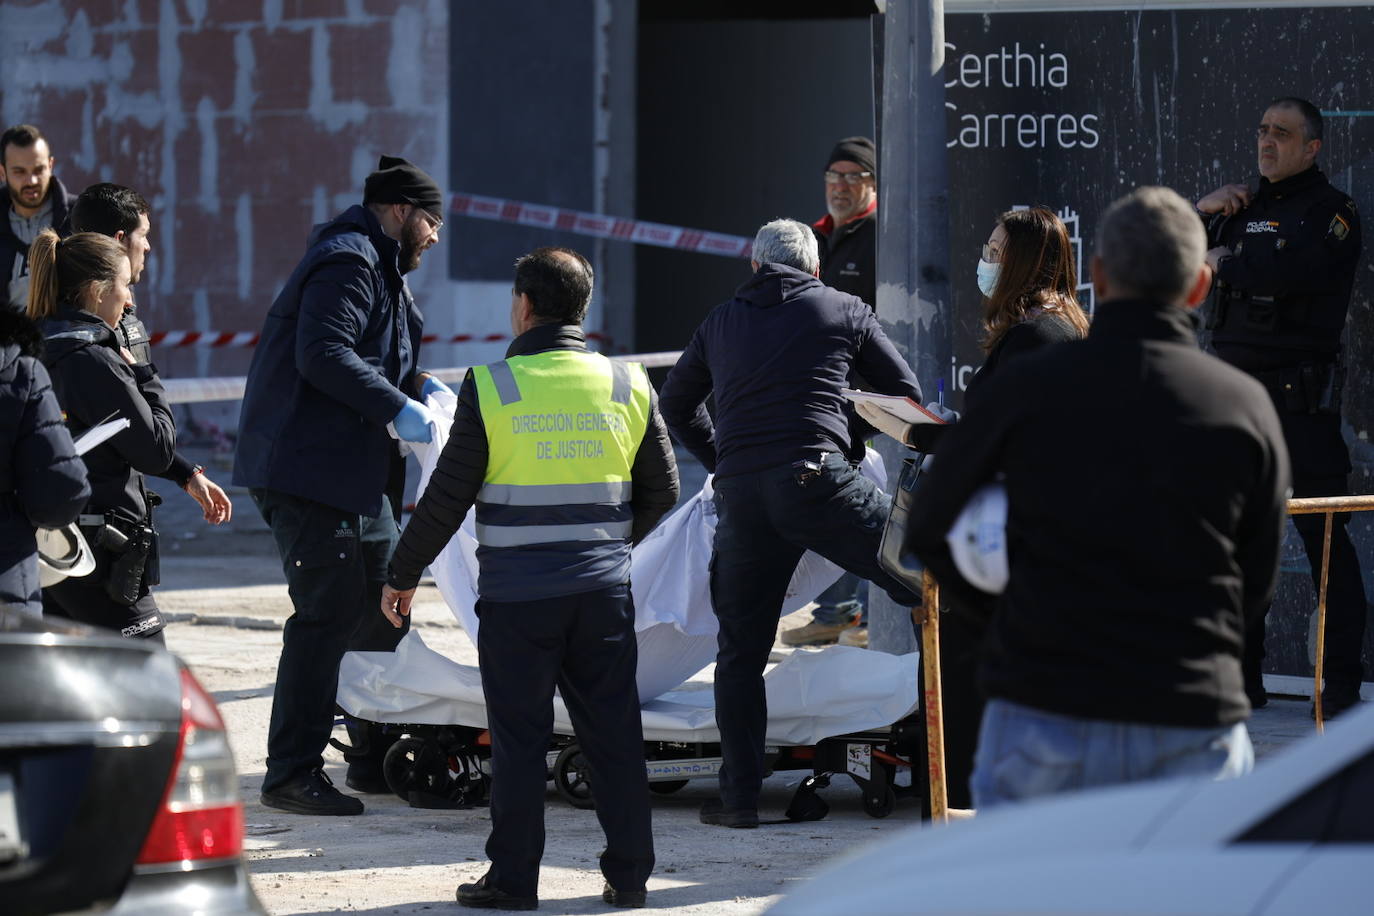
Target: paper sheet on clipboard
(98, 434)
(901, 407)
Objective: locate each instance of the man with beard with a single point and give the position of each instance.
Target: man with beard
(336, 363)
(37, 201)
(122, 214)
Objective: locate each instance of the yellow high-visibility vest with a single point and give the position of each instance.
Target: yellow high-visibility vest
(563, 427)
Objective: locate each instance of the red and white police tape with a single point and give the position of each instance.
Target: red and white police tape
(223, 339)
(204, 390)
(599, 225)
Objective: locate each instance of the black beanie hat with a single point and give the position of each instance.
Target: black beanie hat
(396, 181)
(858, 150)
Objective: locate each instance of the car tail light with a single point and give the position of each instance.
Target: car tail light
(201, 816)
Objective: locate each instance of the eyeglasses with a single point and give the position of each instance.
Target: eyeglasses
(849, 178)
(990, 254)
(435, 222)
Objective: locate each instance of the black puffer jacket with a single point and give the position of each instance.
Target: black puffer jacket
(95, 383)
(42, 481)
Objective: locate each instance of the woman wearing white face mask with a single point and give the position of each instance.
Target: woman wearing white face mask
(1027, 277)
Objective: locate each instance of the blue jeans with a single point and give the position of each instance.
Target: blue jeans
(1024, 753)
(842, 602)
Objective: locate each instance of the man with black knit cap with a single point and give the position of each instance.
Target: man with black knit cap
(847, 237)
(337, 363)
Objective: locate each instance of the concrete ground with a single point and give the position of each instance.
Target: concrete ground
(223, 590)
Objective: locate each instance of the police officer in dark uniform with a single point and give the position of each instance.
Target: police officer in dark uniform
(558, 506)
(122, 214)
(1284, 254)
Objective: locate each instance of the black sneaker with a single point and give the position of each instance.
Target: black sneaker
(625, 900)
(484, 895)
(312, 793)
(714, 812)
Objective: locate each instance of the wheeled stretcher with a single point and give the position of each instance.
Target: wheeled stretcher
(838, 710)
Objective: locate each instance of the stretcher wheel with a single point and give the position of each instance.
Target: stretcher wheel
(880, 805)
(415, 764)
(668, 787)
(572, 778)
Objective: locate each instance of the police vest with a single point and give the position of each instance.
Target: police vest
(554, 514)
(1273, 237)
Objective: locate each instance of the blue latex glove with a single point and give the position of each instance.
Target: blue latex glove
(432, 385)
(411, 423)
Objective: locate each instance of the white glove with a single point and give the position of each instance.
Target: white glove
(883, 421)
(948, 414)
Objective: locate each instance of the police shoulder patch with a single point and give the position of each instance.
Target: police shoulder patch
(1339, 228)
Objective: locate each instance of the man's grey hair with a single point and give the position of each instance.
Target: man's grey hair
(786, 241)
(1152, 245)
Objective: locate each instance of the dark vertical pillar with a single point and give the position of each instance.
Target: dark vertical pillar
(913, 233)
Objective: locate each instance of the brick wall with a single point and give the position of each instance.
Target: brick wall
(243, 123)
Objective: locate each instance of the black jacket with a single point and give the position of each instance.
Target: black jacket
(776, 357)
(1030, 335)
(1282, 298)
(335, 363)
(849, 255)
(94, 383)
(10, 245)
(133, 336)
(1147, 485)
(462, 467)
(42, 481)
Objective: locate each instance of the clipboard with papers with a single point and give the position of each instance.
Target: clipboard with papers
(900, 406)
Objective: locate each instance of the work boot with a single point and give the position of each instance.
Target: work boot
(484, 895)
(312, 792)
(622, 899)
(1336, 701)
(854, 636)
(816, 634)
(715, 813)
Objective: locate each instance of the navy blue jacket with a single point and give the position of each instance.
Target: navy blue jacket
(42, 481)
(776, 357)
(334, 365)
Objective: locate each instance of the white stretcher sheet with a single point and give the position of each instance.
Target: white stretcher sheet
(811, 695)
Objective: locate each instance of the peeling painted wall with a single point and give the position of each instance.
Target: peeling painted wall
(243, 124)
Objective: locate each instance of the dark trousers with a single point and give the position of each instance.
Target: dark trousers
(585, 645)
(1346, 607)
(765, 521)
(335, 564)
(85, 601)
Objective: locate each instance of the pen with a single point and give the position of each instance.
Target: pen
(940, 393)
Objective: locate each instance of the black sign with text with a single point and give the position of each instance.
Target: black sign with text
(1072, 110)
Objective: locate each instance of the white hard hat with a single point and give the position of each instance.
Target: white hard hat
(62, 553)
(978, 539)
